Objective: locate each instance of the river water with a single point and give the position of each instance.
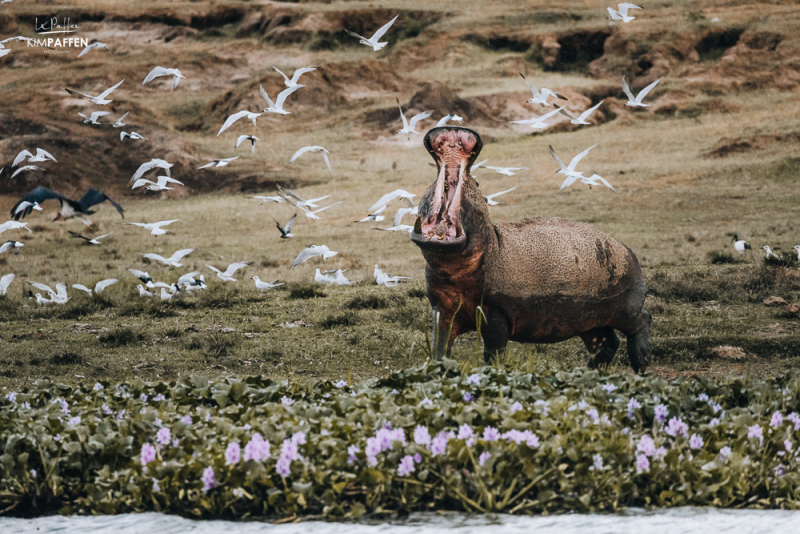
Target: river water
(677, 520)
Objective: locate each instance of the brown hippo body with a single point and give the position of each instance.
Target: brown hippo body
(537, 281)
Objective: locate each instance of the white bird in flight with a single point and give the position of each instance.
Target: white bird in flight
(172, 261)
(100, 99)
(218, 162)
(507, 171)
(398, 228)
(91, 47)
(313, 149)
(251, 138)
(296, 76)
(374, 40)
(569, 170)
(541, 97)
(637, 101)
(14, 225)
(227, 276)
(26, 168)
(152, 164)
(25, 204)
(377, 217)
(477, 165)
(143, 276)
(92, 119)
(155, 228)
(538, 122)
(277, 106)
(621, 13)
(59, 296)
(408, 126)
(581, 120)
(264, 199)
(402, 212)
(90, 240)
(238, 115)
(161, 71)
(447, 118)
(5, 281)
(490, 199)
(159, 185)
(41, 156)
(313, 214)
(120, 122)
(133, 135)
(593, 180)
(263, 286)
(312, 252)
(388, 197)
(16, 245)
(98, 287)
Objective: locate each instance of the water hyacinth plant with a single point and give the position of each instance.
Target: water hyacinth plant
(549, 440)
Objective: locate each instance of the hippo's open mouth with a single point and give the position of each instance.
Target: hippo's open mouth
(454, 150)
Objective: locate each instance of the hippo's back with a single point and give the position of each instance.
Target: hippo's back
(556, 257)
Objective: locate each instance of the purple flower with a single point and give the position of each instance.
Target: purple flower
(795, 419)
(468, 397)
(422, 436)
(716, 408)
(473, 379)
(695, 442)
(642, 464)
(256, 449)
(633, 404)
(714, 422)
(776, 420)
(143, 398)
(725, 451)
(661, 413)
(608, 388)
(516, 407)
(286, 401)
(660, 453)
(148, 454)
(341, 384)
(425, 402)
(283, 467)
(107, 410)
(394, 392)
(465, 432)
(33, 473)
(187, 419)
(593, 415)
(491, 434)
(582, 405)
(121, 414)
(406, 466)
(439, 444)
(646, 446)
(417, 458)
(351, 453)
(787, 445)
(597, 463)
(677, 427)
(702, 397)
(233, 453)
(64, 407)
(756, 431)
(176, 442)
(12, 397)
(779, 471)
(209, 482)
(159, 398)
(483, 457)
(75, 420)
(156, 487)
(98, 386)
(163, 436)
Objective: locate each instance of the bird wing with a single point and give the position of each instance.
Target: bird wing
(5, 281)
(327, 161)
(164, 180)
(137, 273)
(230, 120)
(289, 193)
(568, 115)
(21, 157)
(25, 168)
(155, 73)
(176, 77)
(38, 195)
(279, 71)
(98, 238)
(94, 197)
(188, 277)
(97, 114)
(531, 87)
(623, 8)
(383, 29)
(307, 254)
(233, 267)
(82, 288)
(154, 256)
(299, 72)
(102, 284)
(267, 98)
(290, 223)
(477, 165)
(583, 116)
(141, 182)
(646, 90)
(242, 139)
(180, 254)
(568, 182)
(578, 158)
(123, 134)
(108, 91)
(498, 194)
(214, 269)
(76, 234)
(143, 168)
(612, 14)
(163, 223)
(418, 117)
(603, 181)
(326, 207)
(207, 165)
(354, 34)
(402, 115)
(301, 152)
(402, 212)
(283, 94)
(550, 114)
(385, 199)
(87, 49)
(627, 90)
(314, 200)
(444, 120)
(546, 93)
(42, 287)
(76, 93)
(555, 157)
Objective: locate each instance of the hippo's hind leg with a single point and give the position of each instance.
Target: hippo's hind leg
(602, 344)
(495, 334)
(639, 342)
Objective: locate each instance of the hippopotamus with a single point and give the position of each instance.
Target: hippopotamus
(541, 280)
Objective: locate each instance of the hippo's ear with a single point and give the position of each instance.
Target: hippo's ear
(467, 141)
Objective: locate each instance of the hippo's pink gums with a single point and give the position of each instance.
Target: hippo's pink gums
(537, 281)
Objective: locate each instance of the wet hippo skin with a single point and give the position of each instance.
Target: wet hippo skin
(535, 281)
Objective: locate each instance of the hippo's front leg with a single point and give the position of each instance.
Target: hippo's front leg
(495, 335)
(443, 333)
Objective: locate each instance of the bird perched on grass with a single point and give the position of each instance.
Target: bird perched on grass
(383, 279)
(797, 249)
(59, 296)
(740, 245)
(263, 286)
(70, 209)
(770, 254)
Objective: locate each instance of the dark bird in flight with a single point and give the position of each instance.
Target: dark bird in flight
(69, 208)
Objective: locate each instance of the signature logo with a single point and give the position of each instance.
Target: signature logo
(54, 25)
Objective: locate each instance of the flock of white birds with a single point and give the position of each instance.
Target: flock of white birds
(163, 182)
